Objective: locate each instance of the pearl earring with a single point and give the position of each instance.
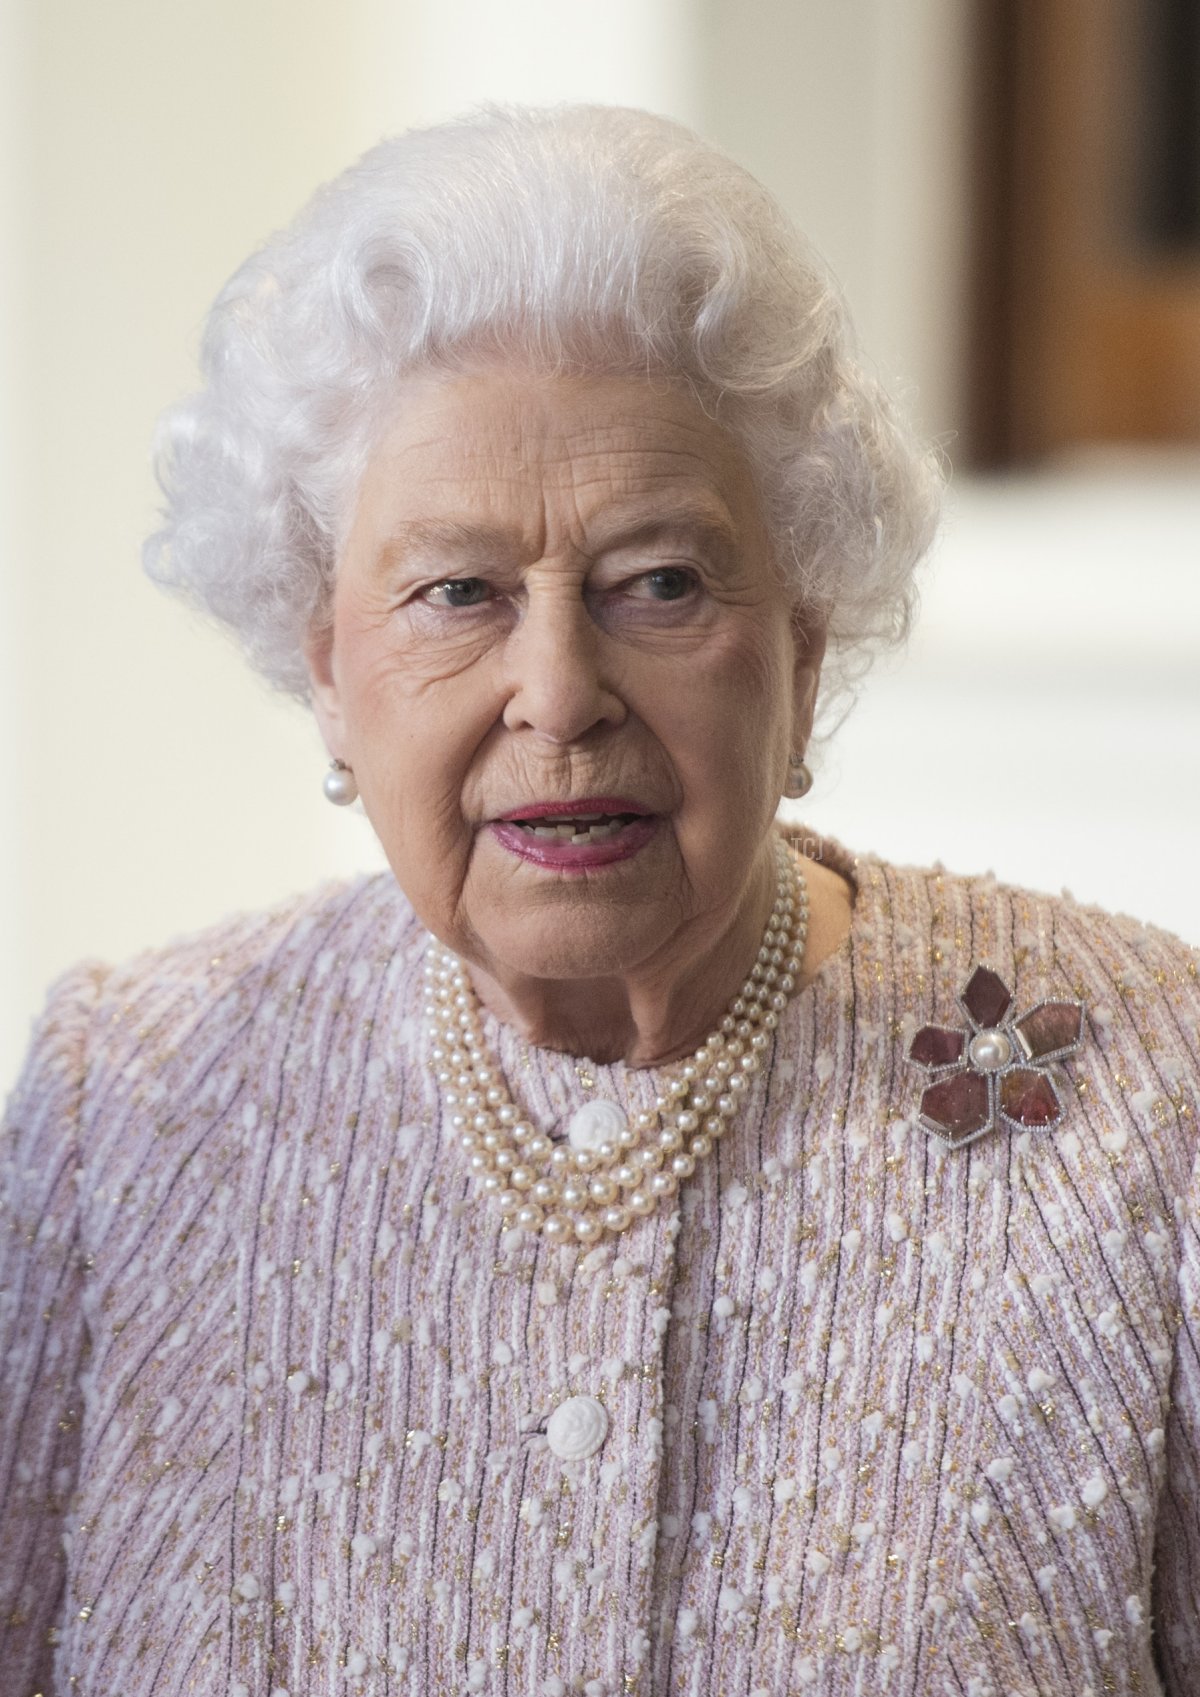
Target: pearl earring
(339, 785)
(799, 778)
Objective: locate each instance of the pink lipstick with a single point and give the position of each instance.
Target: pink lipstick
(576, 835)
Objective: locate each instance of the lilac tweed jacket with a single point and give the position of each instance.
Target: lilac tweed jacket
(882, 1417)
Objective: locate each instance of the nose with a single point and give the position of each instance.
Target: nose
(557, 670)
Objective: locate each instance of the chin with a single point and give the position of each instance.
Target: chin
(603, 945)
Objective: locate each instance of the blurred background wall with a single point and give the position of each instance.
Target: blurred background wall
(1047, 718)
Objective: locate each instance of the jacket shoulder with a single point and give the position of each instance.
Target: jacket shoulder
(201, 994)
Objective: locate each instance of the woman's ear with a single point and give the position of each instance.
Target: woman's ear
(808, 636)
(326, 699)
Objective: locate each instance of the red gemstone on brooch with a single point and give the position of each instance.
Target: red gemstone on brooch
(936, 1046)
(958, 1108)
(1029, 1098)
(997, 1070)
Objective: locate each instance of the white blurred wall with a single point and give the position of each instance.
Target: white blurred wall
(150, 785)
(854, 113)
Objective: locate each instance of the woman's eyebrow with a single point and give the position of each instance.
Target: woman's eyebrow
(709, 530)
(475, 541)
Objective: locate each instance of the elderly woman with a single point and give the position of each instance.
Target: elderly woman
(633, 1249)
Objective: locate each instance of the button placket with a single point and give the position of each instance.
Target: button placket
(592, 1483)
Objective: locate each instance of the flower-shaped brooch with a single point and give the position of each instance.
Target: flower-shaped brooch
(997, 1069)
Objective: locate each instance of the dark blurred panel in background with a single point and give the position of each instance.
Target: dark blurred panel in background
(1166, 213)
(1086, 227)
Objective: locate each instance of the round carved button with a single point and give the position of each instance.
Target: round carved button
(577, 1428)
(595, 1123)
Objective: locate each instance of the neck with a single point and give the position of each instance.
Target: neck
(650, 1016)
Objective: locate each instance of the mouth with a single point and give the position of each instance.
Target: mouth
(575, 835)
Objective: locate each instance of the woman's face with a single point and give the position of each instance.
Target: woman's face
(557, 598)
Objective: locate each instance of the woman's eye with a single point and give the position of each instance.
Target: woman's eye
(668, 583)
(458, 592)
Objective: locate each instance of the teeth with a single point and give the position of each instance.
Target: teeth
(578, 830)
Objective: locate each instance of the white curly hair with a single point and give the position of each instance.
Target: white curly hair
(574, 239)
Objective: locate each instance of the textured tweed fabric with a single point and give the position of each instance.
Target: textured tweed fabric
(882, 1417)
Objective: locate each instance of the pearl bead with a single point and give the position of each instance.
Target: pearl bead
(340, 786)
(989, 1050)
(627, 1175)
(700, 1146)
(683, 1166)
(545, 1193)
(557, 1228)
(663, 1184)
(521, 1177)
(537, 1147)
(641, 1202)
(587, 1228)
(529, 1216)
(574, 1194)
(617, 1219)
(602, 1190)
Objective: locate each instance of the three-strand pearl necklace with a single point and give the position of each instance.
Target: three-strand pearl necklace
(608, 1173)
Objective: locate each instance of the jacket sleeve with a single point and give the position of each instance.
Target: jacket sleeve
(1177, 1549)
(42, 1330)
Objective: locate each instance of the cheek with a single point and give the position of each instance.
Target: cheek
(411, 740)
(729, 718)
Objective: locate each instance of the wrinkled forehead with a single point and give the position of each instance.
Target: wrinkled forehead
(500, 450)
